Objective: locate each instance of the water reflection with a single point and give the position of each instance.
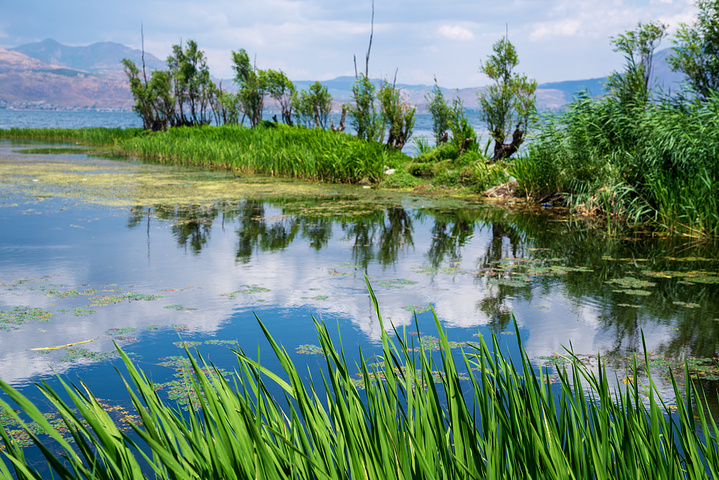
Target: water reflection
(210, 265)
(564, 262)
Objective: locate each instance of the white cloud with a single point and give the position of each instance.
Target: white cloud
(455, 32)
(559, 28)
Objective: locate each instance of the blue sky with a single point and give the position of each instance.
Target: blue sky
(316, 39)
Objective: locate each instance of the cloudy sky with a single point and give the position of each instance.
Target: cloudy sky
(316, 39)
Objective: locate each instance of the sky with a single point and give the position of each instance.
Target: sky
(316, 39)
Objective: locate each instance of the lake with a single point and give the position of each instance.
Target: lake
(98, 251)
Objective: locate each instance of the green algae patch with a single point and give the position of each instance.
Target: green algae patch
(73, 354)
(22, 315)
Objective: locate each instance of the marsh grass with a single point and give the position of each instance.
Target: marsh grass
(96, 136)
(298, 152)
(312, 154)
(653, 162)
(413, 414)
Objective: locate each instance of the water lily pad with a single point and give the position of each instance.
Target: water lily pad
(686, 304)
(221, 342)
(397, 283)
(248, 289)
(179, 308)
(631, 283)
(120, 331)
(636, 292)
(417, 308)
(72, 354)
(21, 315)
(309, 349)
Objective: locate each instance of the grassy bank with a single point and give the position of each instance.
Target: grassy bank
(410, 416)
(296, 152)
(311, 154)
(96, 136)
(652, 162)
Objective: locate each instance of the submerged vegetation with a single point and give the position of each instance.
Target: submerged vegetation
(411, 413)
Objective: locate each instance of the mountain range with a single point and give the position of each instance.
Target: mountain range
(49, 75)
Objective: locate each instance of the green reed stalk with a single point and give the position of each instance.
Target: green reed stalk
(419, 416)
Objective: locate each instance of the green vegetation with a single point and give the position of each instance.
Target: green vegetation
(410, 413)
(96, 136)
(508, 103)
(277, 150)
(696, 50)
(631, 155)
(628, 155)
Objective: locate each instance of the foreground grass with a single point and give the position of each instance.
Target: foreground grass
(416, 419)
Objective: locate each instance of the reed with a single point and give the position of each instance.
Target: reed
(97, 136)
(660, 155)
(419, 416)
(299, 152)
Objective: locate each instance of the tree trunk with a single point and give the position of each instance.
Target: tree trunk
(506, 150)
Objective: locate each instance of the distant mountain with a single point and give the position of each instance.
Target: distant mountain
(48, 74)
(99, 57)
(30, 83)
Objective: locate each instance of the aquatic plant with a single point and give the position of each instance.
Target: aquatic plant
(421, 415)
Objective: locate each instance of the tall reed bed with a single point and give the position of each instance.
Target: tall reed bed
(97, 136)
(654, 161)
(296, 152)
(419, 416)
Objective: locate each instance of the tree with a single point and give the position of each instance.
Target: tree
(154, 102)
(508, 102)
(397, 115)
(632, 86)
(696, 50)
(440, 111)
(281, 89)
(313, 106)
(250, 95)
(363, 115)
(193, 88)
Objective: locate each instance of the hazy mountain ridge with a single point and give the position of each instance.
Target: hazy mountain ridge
(101, 57)
(50, 75)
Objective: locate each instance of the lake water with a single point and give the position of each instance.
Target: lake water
(104, 251)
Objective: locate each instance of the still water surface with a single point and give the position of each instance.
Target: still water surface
(150, 256)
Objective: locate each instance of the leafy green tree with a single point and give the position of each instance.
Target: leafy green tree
(696, 50)
(397, 115)
(225, 105)
(363, 115)
(631, 87)
(193, 88)
(508, 102)
(440, 111)
(154, 102)
(281, 89)
(250, 95)
(463, 135)
(313, 106)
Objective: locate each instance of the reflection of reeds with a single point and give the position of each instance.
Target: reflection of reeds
(421, 416)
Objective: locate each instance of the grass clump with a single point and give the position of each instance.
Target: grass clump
(312, 154)
(298, 152)
(653, 161)
(420, 416)
(95, 136)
